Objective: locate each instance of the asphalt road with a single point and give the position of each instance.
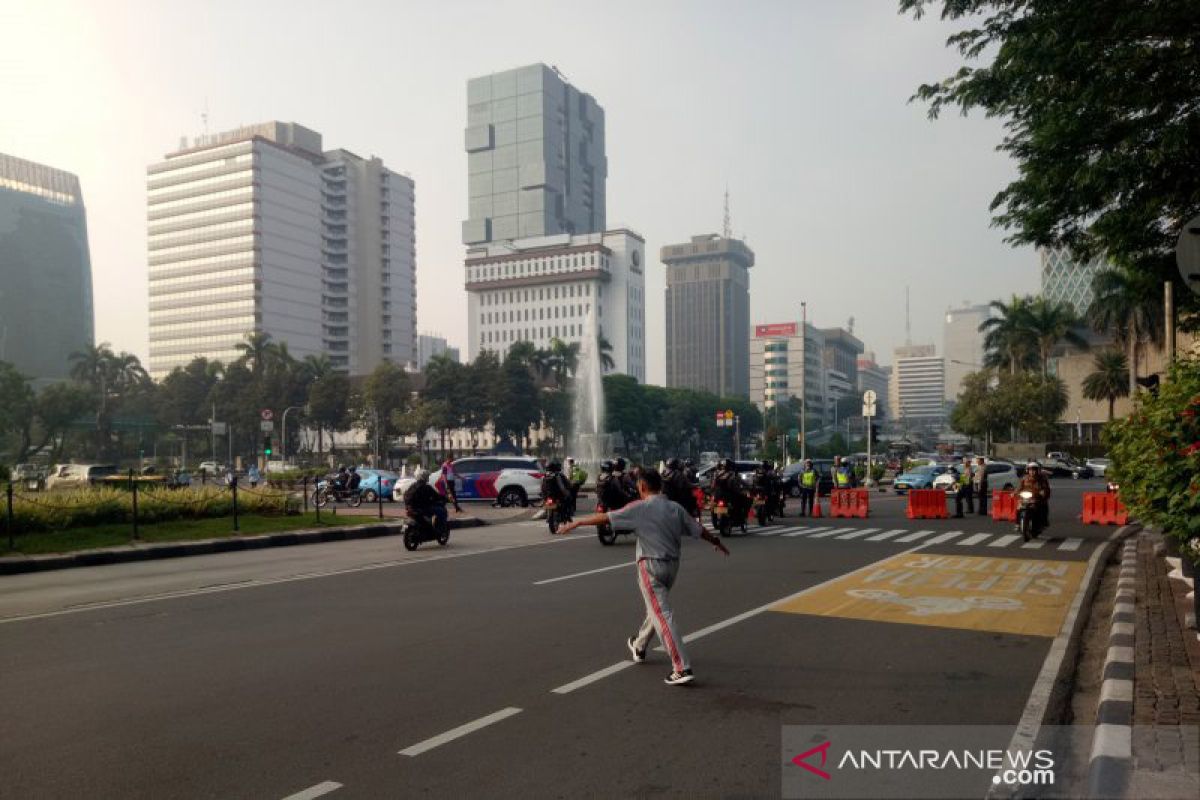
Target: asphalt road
(359, 670)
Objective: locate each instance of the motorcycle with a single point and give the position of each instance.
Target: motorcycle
(556, 513)
(725, 518)
(327, 491)
(763, 507)
(420, 528)
(605, 533)
(1027, 516)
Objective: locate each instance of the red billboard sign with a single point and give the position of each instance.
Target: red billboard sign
(777, 329)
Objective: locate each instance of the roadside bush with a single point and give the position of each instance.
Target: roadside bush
(1155, 455)
(105, 506)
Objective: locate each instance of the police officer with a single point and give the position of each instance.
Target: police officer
(808, 480)
(979, 483)
(843, 475)
(965, 492)
(609, 489)
(677, 487)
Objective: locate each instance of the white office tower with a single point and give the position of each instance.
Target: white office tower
(546, 288)
(917, 393)
(258, 230)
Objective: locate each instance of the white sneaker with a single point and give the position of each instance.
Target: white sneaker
(638, 655)
(679, 678)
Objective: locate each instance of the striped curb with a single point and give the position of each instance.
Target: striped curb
(1112, 742)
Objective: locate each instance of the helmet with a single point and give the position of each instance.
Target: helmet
(421, 475)
(606, 466)
(1033, 465)
(619, 465)
(674, 463)
(808, 462)
(353, 468)
(689, 463)
(766, 464)
(727, 464)
(570, 461)
(342, 468)
(554, 466)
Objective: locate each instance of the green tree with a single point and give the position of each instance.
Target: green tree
(1127, 305)
(1107, 381)
(517, 407)
(1006, 339)
(256, 352)
(17, 402)
(386, 391)
(60, 406)
(1050, 322)
(1099, 106)
(328, 405)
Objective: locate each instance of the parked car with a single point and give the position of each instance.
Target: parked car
(745, 470)
(1066, 467)
(211, 468)
(824, 468)
(1099, 466)
(75, 475)
(509, 480)
(918, 477)
(376, 482)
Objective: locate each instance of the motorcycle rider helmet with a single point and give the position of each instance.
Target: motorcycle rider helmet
(766, 464)
(727, 464)
(554, 466)
(619, 465)
(606, 466)
(1033, 465)
(421, 475)
(689, 463)
(353, 468)
(674, 464)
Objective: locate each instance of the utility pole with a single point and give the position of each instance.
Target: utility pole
(804, 383)
(212, 434)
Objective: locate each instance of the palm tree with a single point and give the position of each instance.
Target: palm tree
(1126, 305)
(317, 367)
(1007, 341)
(1050, 322)
(125, 371)
(1108, 382)
(604, 348)
(91, 364)
(256, 351)
(563, 360)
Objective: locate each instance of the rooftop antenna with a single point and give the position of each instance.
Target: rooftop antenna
(850, 325)
(727, 228)
(907, 320)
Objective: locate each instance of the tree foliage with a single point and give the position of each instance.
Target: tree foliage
(999, 404)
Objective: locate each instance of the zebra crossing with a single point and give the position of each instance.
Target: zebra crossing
(904, 535)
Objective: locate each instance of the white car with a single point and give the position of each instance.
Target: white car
(506, 480)
(76, 475)
(1001, 475)
(1099, 466)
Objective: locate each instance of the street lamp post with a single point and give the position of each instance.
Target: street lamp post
(283, 432)
(804, 383)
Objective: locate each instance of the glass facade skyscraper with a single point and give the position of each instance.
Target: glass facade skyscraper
(45, 269)
(1064, 278)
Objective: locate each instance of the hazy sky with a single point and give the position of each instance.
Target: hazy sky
(845, 191)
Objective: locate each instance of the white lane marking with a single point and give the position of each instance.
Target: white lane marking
(1072, 543)
(308, 576)
(1005, 541)
(806, 532)
(833, 532)
(581, 574)
(858, 533)
(1036, 544)
(314, 791)
(944, 537)
(770, 530)
(612, 669)
(912, 537)
(459, 732)
(879, 537)
(974, 539)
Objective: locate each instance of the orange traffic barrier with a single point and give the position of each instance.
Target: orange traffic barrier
(927, 504)
(1104, 508)
(1004, 506)
(849, 503)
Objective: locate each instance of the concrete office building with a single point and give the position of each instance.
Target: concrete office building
(1066, 279)
(840, 358)
(786, 364)
(258, 230)
(429, 346)
(962, 344)
(917, 393)
(45, 270)
(708, 315)
(535, 157)
(548, 287)
(875, 378)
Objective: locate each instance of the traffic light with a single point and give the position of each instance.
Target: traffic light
(267, 444)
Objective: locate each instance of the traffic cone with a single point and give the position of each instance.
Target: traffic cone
(816, 511)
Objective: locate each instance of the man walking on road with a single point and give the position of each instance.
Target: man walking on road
(659, 525)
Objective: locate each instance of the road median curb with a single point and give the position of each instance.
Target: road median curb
(16, 565)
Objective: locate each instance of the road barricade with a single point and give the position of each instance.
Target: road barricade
(1004, 506)
(1103, 508)
(927, 504)
(849, 503)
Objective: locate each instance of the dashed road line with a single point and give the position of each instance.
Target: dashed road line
(315, 791)
(974, 539)
(944, 537)
(1006, 540)
(805, 532)
(857, 533)
(611, 669)
(1071, 543)
(459, 732)
(1036, 544)
(912, 537)
(581, 574)
(879, 537)
(832, 532)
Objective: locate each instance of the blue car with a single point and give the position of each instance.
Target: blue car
(372, 483)
(918, 478)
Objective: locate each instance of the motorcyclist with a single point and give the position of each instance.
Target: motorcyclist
(353, 480)
(727, 486)
(423, 500)
(556, 487)
(689, 469)
(1035, 481)
(766, 483)
(341, 480)
(577, 476)
(609, 489)
(677, 487)
(626, 480)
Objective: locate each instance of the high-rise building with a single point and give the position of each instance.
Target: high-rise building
(708, 315)
(875, 378)
(549, 287)
(429, 346)
(1064, 278)
(786, 364)
(917, 394)
(258, 230)
(840, 358)
(535, 157)
(45, 269)
(962, 345)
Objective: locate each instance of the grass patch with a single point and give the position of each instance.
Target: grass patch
(42, 543)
